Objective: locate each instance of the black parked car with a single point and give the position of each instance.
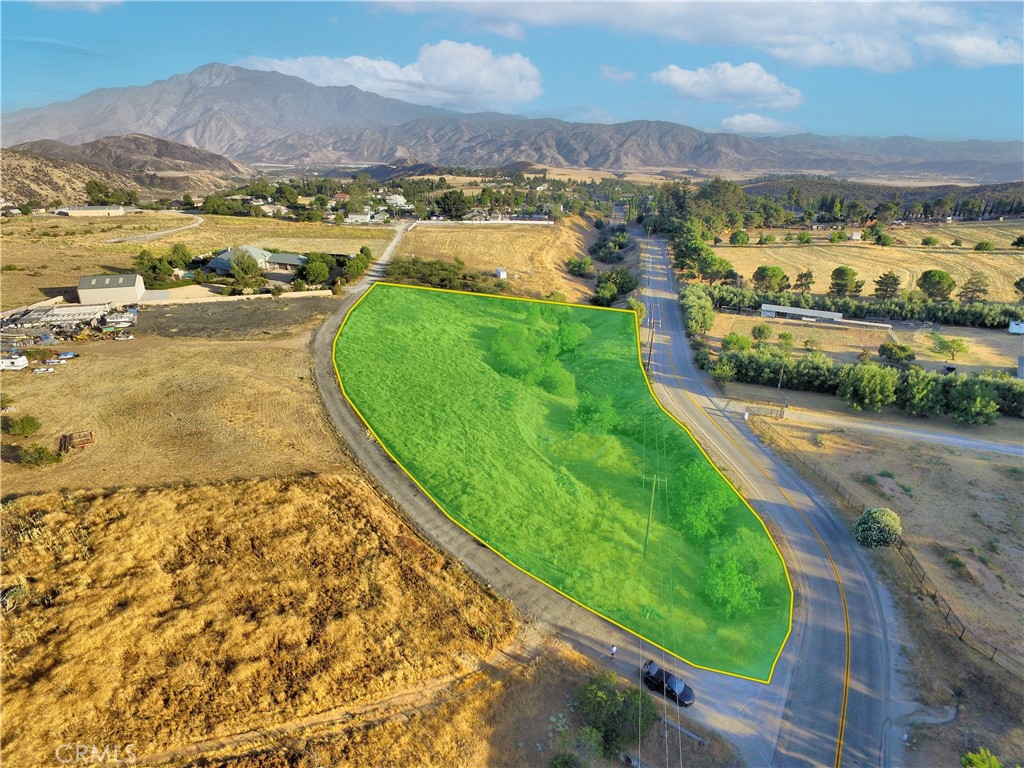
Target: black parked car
(664, 682)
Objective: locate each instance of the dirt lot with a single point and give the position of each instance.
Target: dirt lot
(1002, 266)
(987, 348)
(44, 256)
(204, 392)
(961, 516)
(534, 255)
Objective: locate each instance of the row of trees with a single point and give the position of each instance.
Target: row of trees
(442, 274)
(971, 314)
(969, 399)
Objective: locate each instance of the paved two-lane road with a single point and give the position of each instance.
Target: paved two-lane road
(828, 715)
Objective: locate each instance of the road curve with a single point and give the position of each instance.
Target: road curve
(793, 721)
(828, 718)
(196, 221)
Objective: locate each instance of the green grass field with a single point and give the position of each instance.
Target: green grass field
(532, 425)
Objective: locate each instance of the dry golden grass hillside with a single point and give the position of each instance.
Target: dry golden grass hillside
(533, 255)
(508, 715)
(27, 176)
(163, 617)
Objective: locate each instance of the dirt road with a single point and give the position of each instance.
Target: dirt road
(196, 221)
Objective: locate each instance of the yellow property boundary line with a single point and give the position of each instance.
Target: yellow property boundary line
(639, 351)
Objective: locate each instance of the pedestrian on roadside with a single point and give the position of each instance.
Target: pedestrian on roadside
(614, 651)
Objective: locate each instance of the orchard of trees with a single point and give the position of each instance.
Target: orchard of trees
(970, 399)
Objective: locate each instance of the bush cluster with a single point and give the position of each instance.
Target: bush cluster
(611, 244)
(612, 285)
(442, 274)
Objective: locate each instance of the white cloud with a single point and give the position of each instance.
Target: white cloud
(747, 84)
(513, 30)
(447, 74)
(92, 6)
(757, 124)
(875, 36)
(616, 75)
(972, 50)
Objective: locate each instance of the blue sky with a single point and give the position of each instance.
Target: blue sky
(937, 70)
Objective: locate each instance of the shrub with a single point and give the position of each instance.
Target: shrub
(582, 267)
(616, 712)
(804, 238)
(957, 242)
(868, 386)
(898, 353)
(739, 237)
(983, 758)
(35, 455)
(930, 240)
(26, 426)
(837, 236)
(723, 371)
(877, 527)
(761, 332)
(594, 414)
(985, 245)
(736, 341)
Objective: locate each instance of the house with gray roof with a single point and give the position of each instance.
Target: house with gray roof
(223, 260)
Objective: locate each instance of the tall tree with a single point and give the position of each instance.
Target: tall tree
(805, 280)
(936, 284)
(887, 286)
(974, 288)
(453, 204)
(771, 278)
(845, 282)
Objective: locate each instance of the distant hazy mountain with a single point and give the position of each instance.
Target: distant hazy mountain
(216, 107)
(258, 117)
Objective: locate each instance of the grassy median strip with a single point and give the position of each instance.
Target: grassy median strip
(532, 425)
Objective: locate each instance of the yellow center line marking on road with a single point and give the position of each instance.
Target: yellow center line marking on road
(835, 570)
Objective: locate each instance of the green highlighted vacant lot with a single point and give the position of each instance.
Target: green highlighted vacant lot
(532, 426)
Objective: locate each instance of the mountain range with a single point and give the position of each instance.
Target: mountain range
(258, 117)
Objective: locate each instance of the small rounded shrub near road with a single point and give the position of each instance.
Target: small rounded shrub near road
(877, 527)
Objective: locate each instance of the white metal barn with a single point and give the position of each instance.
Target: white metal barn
(111, 289)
